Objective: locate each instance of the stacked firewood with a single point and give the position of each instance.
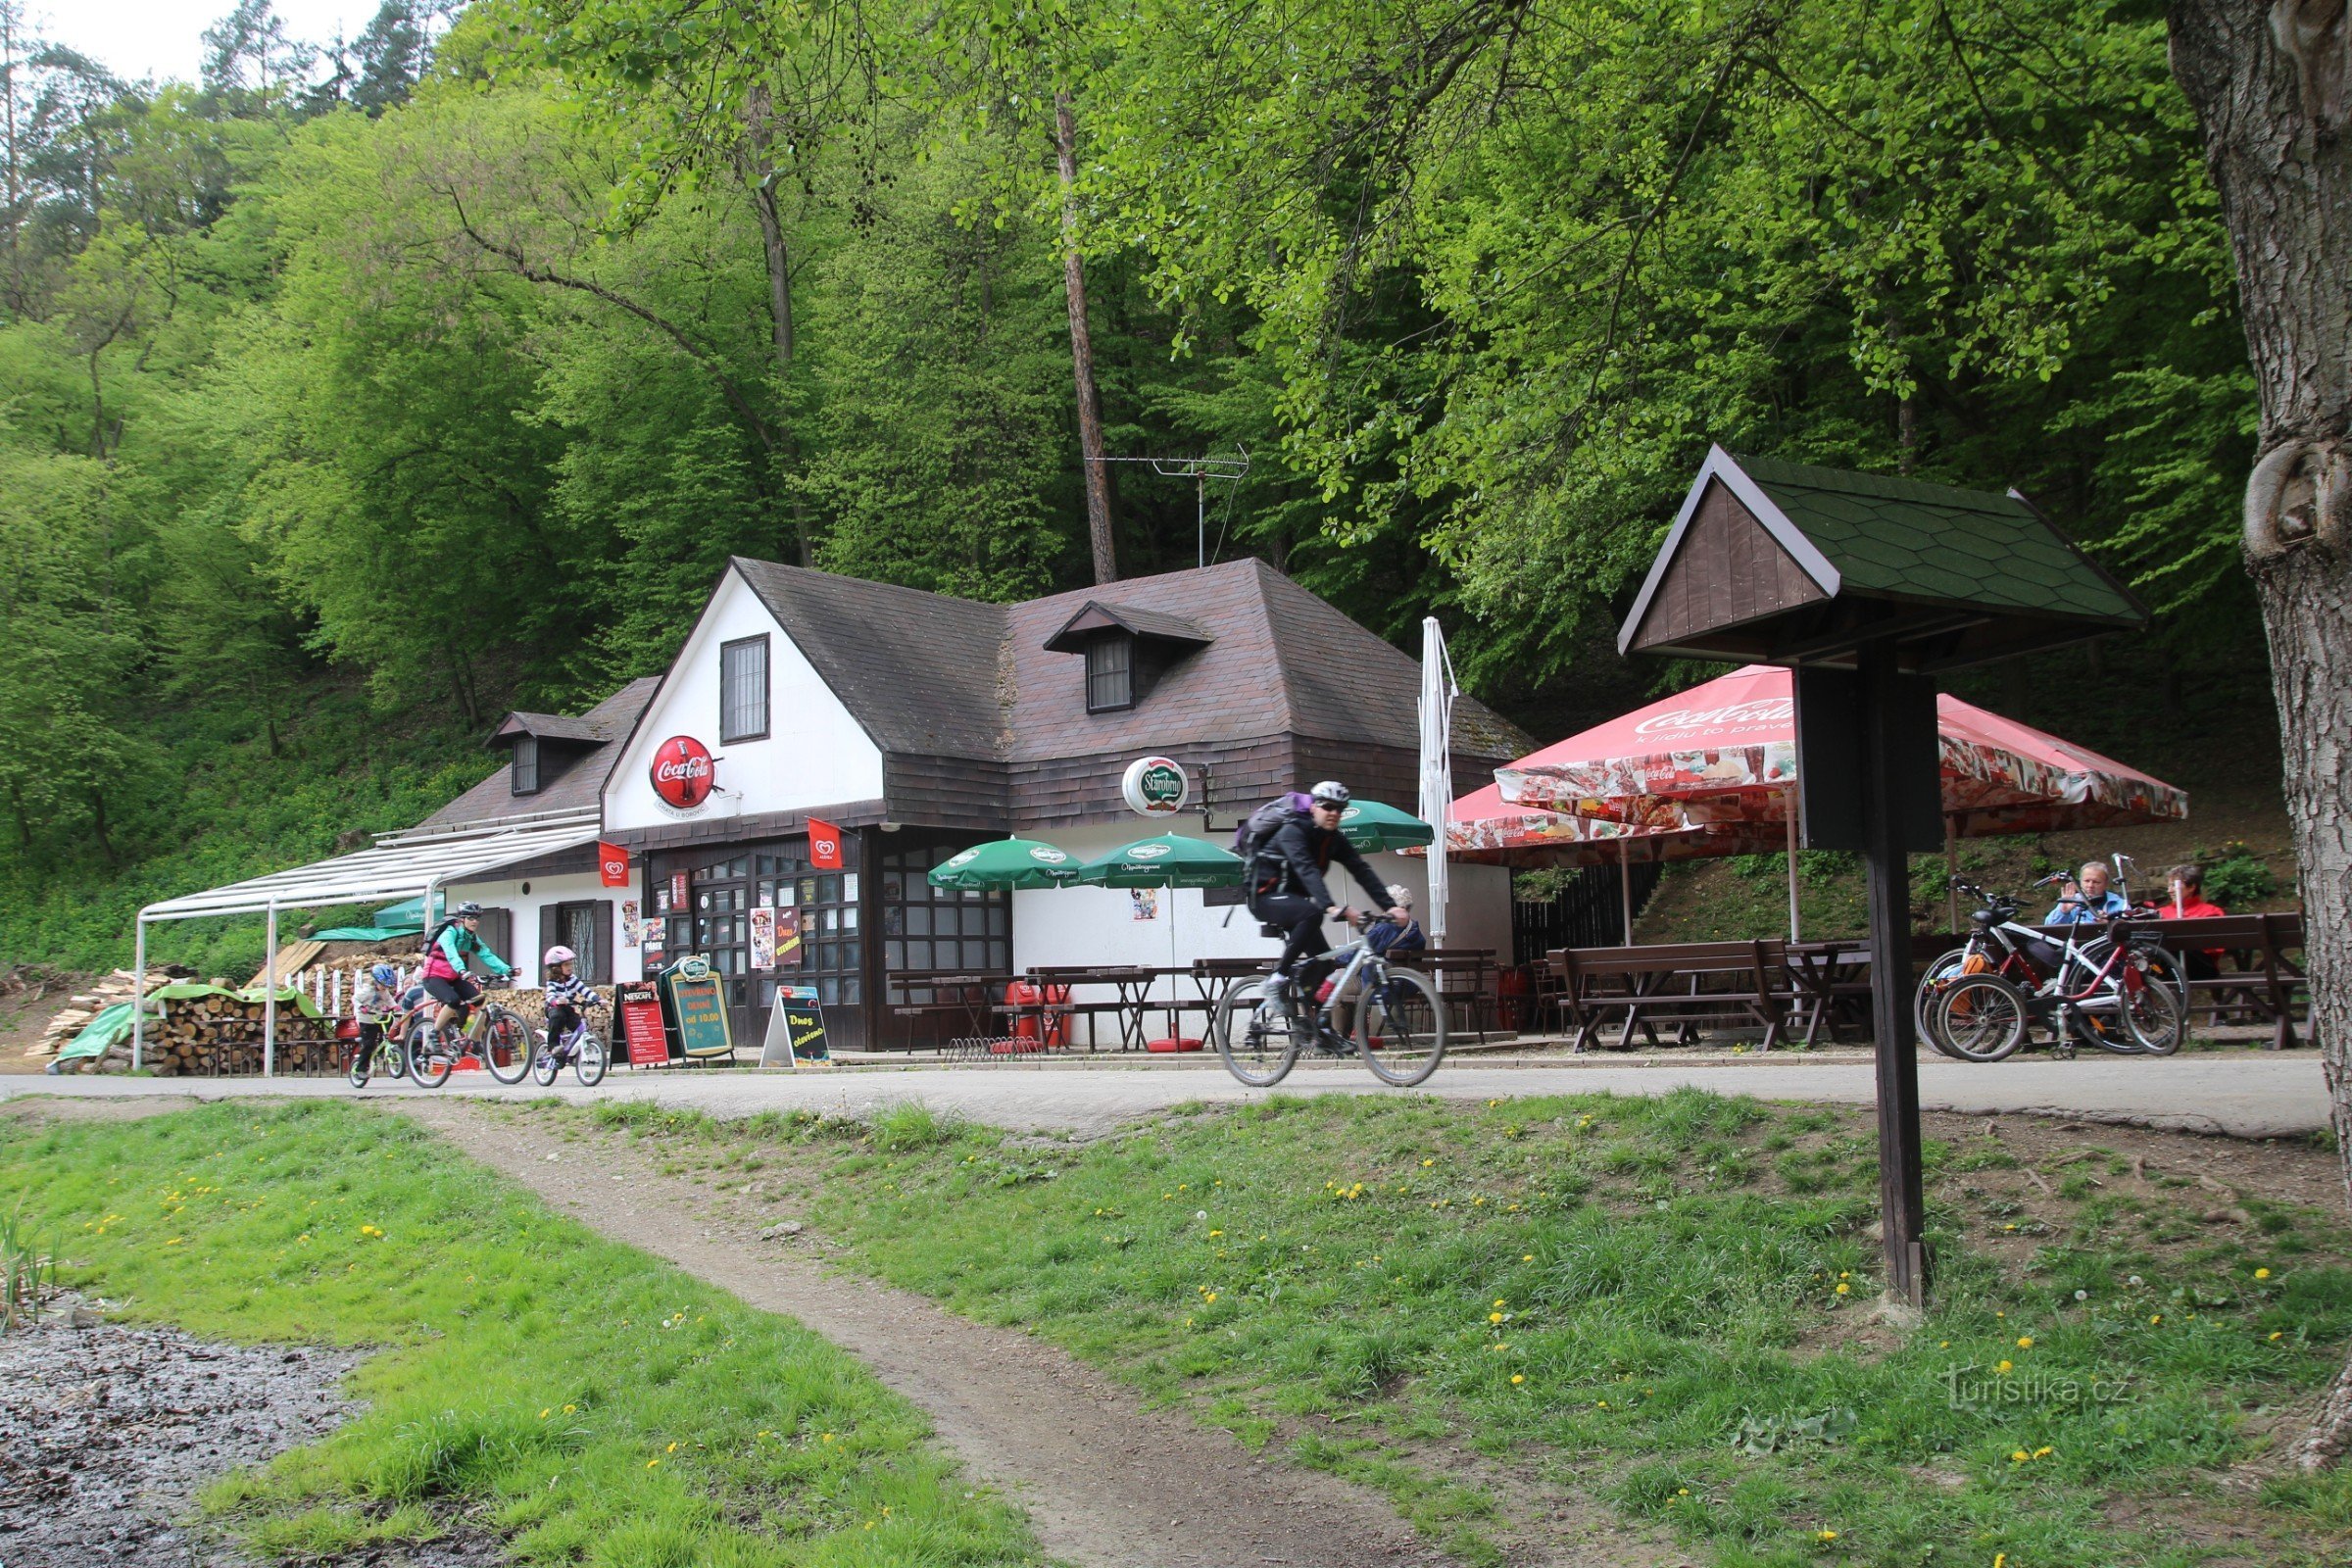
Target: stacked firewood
(218, 1033)
(85, 1005)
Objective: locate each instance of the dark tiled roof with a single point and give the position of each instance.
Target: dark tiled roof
(551, 727)
(920, 670)
(1142, 622)
(580, 782)
(1909, 539)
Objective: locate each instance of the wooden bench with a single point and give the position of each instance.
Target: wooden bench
(1464, 976)
(1671, 983)
(2261, 983)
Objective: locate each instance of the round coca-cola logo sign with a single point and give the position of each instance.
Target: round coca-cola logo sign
(683, 773)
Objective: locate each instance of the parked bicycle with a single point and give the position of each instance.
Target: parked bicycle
(2107, 987)
(582, 1049)
(490, 1032)
(1396, 1021)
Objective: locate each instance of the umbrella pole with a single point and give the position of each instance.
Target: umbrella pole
(1793, 923)
(1951, 867)
(1625, 885)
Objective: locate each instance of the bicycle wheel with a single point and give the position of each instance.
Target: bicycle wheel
(1255, 1035)
(545, 1066)
(358, 1077)
(588, 1059)
(2152, 1016)
(1401, 1029)
(2164, 965)
(505, 1045)
(1934, 981)
(1981, 1017)
(427, 1064)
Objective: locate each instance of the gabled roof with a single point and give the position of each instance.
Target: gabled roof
(1099, 615)
(918, 670)
(1805, 552)
(580, 783)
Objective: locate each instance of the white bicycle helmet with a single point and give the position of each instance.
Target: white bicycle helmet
(559, 953)
(1330, 792)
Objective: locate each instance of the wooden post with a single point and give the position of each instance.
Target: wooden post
(1793, 920)
(1902, 1203)
(1951, 869)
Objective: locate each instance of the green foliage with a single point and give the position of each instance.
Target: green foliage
(2236, 877)
(586, 1401)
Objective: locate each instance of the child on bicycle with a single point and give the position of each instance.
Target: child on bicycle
(566, 993)
(375, 1005)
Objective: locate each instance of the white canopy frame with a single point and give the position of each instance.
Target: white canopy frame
(402, 864)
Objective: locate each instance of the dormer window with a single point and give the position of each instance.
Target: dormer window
(526, 765)
(1110, 672)
(1128, 650)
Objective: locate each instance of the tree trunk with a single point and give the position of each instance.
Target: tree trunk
(106, 843)
(757, 111)
(1081, 350)
(2270, 85)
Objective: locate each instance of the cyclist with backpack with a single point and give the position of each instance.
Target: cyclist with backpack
(452, 942)
(1291, 844)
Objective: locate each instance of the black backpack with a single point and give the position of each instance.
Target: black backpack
(1257, 830)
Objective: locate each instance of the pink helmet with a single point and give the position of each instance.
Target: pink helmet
(559, 953)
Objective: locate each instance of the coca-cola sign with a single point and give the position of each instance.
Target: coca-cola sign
(683, 773)
(1774, 710)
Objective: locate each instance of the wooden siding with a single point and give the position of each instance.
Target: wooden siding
(1728, 570)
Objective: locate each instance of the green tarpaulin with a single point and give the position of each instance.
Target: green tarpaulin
(112, 1024)
(367, 933)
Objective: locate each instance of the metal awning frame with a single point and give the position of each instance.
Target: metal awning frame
(399, 866)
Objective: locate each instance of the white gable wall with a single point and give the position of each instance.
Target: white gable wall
(816, 755)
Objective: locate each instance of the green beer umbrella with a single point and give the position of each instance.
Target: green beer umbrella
(1170, 860)
(1370, 825)
(1007, 864)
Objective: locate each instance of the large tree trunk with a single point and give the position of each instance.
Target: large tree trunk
(2272, 86)
(1081, 350)
(762, 175)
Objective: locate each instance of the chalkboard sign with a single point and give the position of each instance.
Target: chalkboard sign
(698, 1006)
(796, 1031)
(643, 1032)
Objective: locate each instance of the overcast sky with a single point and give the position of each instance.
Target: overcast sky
(135, 38)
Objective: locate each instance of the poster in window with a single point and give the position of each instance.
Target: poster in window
(763, 938)
(788, 939)
(629, 922)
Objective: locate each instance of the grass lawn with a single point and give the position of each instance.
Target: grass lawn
(1667, 1302)
(587, 1402)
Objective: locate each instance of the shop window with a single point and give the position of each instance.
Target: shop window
(526, 765)
(924, 927)
(742, 690)
(1109, 673)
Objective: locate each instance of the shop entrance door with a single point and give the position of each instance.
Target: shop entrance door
(765, 917)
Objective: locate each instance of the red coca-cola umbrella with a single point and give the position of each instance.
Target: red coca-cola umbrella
(1723, 755)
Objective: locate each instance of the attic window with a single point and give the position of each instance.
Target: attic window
(1109, 673)
(526, 765)
(742, 690)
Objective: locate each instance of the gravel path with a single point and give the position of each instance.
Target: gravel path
(1108, 1483)
(2253, 1093)
(107, 1433)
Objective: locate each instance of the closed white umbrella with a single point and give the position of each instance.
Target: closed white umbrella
(1438, 689)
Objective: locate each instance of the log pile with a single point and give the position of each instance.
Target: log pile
(222, 1034)
(87, 1002)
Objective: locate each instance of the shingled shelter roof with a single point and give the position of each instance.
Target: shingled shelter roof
(1814, 558)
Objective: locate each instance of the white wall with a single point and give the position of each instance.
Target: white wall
(816, 752)
(1097, 925)
(576, 888)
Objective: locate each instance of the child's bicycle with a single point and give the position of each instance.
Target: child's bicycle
(390, 1054)
(582, 1046)
(1398, 1026)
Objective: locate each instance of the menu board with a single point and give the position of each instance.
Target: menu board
(698, 1006)
(796, 1031)
(642, 1029)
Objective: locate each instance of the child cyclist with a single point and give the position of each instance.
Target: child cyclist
(452, 942)
(375, 1007)
(565, 994)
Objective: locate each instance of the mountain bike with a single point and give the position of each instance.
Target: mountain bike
(493, 1034)
(1397, 1027)
(2000, 943)
(581, 1047)
(2104, 995)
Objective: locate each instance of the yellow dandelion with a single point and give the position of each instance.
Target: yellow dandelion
(2262, 1273)
(2019, 1456)
(1527, 1257)
(1494, 1317)
(2003, 1367)
(1827, 1535)
(1518, 1378)
(1844, 1288)
(2024, 1341)
(2277, 1333)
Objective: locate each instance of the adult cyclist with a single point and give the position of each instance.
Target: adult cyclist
(1287, 887)
(458, 939)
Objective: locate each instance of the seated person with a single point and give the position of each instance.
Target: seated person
(2087, 898)
(2190, 904)
(1389, 936)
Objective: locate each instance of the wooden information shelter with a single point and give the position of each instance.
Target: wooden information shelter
(1868, 587)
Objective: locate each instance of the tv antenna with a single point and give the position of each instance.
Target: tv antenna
(1200, 471)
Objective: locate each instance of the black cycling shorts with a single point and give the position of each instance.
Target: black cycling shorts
(457, 993)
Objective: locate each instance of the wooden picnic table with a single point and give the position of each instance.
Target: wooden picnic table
(970, 1003)
(1132, 985)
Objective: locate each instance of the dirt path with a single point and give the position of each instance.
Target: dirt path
(1107, 1482)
